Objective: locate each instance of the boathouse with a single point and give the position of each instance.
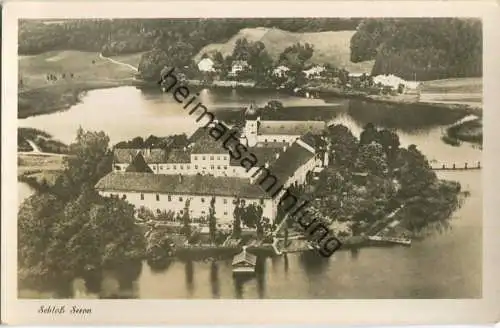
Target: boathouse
(244, 262)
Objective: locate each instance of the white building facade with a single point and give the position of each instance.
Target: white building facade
(206, 65)
(169, 193)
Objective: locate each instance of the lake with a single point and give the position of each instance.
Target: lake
(441, 266)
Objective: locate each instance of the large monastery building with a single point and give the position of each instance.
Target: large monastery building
(162, 179)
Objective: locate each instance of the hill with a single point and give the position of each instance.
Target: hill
(421, 48)
(332, 47)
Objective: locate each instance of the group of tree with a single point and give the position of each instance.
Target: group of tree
(370, 176)
(253, 53)
(420, 48)
(120, 36)
(173, 141)
(295, 56)
(69, 230)
(250, 216)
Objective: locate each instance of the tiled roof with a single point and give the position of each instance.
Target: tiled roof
(244, 256)
(178, 156)
(176, 184)
(125, 155)
(138, 164)
(205, 144)
(313, 140)
(291, 127)
(294, 157)
(263, 154)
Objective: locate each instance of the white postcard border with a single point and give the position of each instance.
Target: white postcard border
(485, 310)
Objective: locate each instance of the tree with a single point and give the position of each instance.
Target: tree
(152, 63)
(37, 216)
(251, 215)
(87, 234)
(433, 207)
(295, 56)
(368, 135)
(89, 160)
(390, 142)
(241, 50)
(212, 221)
(372, 159)
(414, 172)
(343, 145)
(220, 64)
(237, 213)
(274, 106)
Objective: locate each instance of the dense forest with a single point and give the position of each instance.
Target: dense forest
(120, 36)
(420, 48)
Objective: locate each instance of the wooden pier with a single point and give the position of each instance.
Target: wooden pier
(457, 167)
(395, 240)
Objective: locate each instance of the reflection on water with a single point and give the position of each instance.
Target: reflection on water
(214, 279)
(444, 265)
(126, 112)
(189, 277)
(403, 117)
(441, 266)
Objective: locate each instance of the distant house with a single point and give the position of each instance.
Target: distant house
(314, 72)
(389, 80)
(238, 66)
(355, 75)
(206, 65)
(280, 71)
(393, 81)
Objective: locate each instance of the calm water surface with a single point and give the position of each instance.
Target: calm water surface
(441, 266)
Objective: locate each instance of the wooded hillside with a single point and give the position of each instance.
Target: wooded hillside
(421, 48)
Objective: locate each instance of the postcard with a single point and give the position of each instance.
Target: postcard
(250, 162)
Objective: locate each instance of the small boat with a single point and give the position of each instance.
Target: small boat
(244, 262)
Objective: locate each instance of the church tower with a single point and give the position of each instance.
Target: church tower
(251, 129)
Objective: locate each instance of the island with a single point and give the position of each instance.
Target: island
(186, 198)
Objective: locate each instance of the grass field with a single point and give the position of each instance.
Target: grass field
(472, 85)
(329, 47)
(39, 167)
(131, 59)
(466, 91)
(38, 95)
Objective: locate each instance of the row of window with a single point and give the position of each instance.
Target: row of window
(169, 197)
(158, 211)
(203, 158)
(279, 140)
(188, 167)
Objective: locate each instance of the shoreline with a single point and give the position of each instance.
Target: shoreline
(59, 98)
(75, 94)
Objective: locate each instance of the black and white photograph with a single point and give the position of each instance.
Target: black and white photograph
(231, 158)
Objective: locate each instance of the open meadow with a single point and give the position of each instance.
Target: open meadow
(467, 91)
(54, 80)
